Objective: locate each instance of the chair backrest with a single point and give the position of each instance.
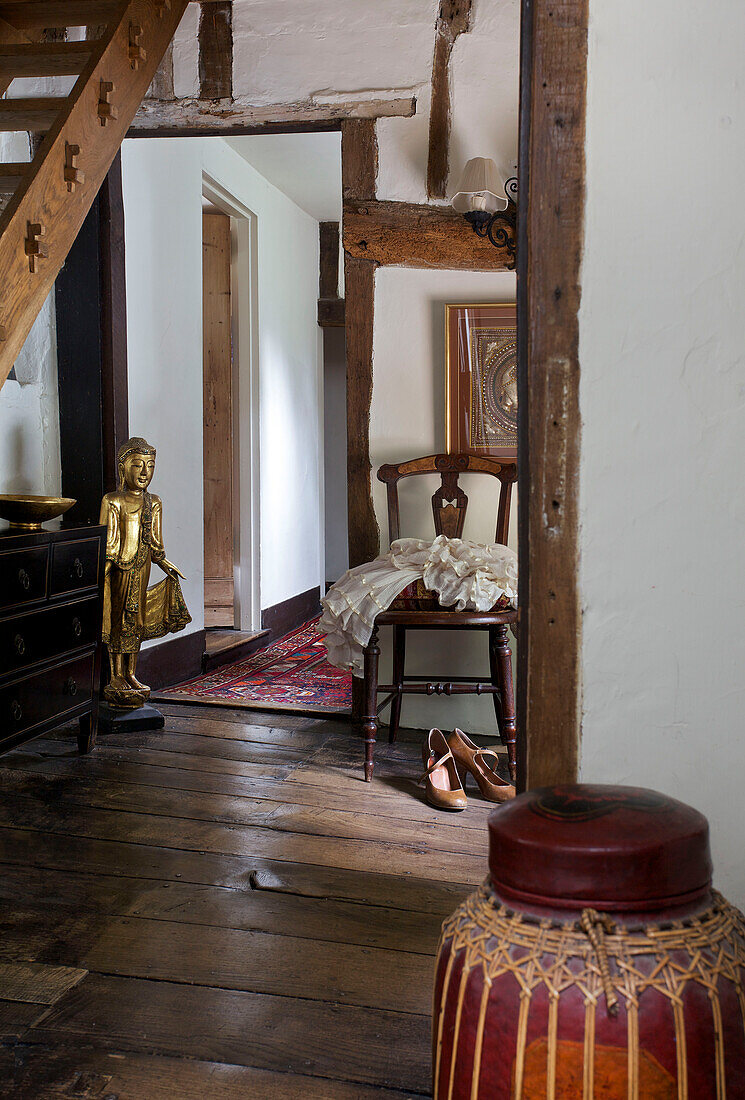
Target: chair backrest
(449, 502)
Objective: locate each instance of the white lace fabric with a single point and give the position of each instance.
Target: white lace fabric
(469, 576)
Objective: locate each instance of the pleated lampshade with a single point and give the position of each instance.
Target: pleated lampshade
(481, 187)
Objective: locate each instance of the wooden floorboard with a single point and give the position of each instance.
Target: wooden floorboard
(223, 909)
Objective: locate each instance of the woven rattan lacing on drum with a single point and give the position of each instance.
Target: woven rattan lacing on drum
(664, 957)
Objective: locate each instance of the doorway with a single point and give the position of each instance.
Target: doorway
(218, 449)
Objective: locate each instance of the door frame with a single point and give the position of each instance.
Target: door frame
(246, 428)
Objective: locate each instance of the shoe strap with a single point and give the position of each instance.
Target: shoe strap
(490, 752)
(433, 767)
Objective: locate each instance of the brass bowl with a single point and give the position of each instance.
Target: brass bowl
(28, 513)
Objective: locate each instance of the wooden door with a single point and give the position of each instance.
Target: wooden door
(218, 422)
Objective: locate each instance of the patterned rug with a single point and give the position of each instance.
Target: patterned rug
(292, 674)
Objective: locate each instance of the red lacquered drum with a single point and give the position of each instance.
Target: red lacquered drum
(596, 961)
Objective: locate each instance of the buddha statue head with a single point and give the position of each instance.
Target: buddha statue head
(136, 463)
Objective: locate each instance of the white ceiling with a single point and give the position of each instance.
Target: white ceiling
(306, 167)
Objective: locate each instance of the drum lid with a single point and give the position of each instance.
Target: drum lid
(606, 847)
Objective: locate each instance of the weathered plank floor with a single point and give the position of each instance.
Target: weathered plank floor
(223, 909)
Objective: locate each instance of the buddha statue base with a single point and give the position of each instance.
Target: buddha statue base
(118, 720)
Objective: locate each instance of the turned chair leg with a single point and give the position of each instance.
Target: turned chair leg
(399, 660)
(495, 679)
(370, 715)
(508, 725)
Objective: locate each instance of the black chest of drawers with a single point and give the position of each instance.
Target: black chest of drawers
(51, 594)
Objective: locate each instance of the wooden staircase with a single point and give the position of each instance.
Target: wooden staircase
(51, 195)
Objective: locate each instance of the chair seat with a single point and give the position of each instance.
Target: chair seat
(446, 617)
(417, 597)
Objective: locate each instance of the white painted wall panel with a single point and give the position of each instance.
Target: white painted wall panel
(663, 408)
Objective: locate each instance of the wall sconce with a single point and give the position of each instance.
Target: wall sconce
(489, 204)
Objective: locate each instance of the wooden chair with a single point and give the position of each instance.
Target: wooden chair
(449, 504)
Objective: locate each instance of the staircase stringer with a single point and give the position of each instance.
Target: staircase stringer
(44, 198)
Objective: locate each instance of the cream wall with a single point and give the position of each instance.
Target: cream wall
(407, 420)
(662, 350)
(162, 181)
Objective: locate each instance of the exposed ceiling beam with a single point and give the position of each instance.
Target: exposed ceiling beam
(163, 118)
(407, 235)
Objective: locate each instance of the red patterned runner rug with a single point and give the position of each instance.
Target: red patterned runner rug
(291, 674)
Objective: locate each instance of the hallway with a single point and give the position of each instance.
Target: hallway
(223, 909)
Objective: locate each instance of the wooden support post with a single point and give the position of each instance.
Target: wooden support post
(216, 50)
(162, 85)
(330, 305)
(453, 19)
(550, 226)
(359, 173)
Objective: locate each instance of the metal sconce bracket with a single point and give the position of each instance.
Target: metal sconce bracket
(501, 226)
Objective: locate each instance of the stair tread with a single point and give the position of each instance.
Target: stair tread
(11, 175)
(38, 14)
(25, 113)
(24, 59)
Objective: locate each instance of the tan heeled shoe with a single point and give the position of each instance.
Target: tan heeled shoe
(441, 780)
(471, 759)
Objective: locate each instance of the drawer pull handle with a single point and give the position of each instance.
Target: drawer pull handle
(19, 645)
(16, 710)
(77, 627)
(24, 580)
(78, 567)
(70, 688)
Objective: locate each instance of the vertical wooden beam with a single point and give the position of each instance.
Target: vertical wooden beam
(80, 371)
(328, 268)
(359, 156)
(162, 85)
(453, 19)
(550, 233)
(114, 379)
(216, 50)
(90, 297)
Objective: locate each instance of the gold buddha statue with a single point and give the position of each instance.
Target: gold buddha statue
(132, 612)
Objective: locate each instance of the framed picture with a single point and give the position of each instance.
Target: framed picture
(481, 400)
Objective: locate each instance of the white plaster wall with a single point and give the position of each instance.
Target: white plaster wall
(29, 405)
(162, 181)
(162, 185)
(663, 408)
(407, 420)
(297, 52)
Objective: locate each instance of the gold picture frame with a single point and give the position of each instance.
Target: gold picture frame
(481, 378)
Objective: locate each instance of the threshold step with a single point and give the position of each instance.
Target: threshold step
(222, 647)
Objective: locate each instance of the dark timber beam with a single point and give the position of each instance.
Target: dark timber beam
(330, 305)
(162, 85)
(194, 117)
(551, 205)
(454, 19)
(359, 158)
(216, 50)
(409, 235)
